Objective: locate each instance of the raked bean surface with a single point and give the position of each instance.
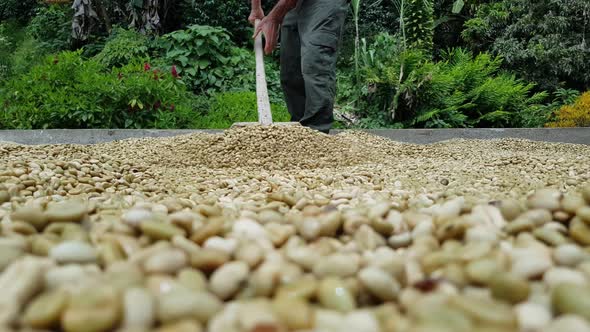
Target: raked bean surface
(277, 229)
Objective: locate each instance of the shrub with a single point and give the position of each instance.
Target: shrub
(576, 115)
(26, 54)
(204, 56)
(232, 15)
(544, 41)
(122, 47)
(21, 10)
(231, 107)
(51, 27)
(18, 50)
(375, 16)
(459, 91)
(472, 92)
(538, 116)
(67, 91)
(246, 80)
(5, 45)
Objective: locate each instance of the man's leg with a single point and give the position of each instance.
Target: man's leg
(291, 77)
(320, 27)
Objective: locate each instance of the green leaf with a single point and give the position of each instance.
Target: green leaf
(184, 60)
(203, 63)
(458, 6)
(175, 53)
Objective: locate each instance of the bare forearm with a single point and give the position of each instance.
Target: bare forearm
(281, 9)
(256, 5)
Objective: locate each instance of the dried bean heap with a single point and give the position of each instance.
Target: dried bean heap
(284, 229)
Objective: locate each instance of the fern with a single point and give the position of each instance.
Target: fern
(459, 91)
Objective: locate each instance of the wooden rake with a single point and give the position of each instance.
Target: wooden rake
(263, 103)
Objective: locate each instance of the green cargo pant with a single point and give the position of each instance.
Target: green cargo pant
(310, 36)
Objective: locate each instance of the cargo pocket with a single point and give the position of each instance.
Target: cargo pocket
(324, 46)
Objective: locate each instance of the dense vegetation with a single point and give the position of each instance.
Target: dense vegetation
(403, 63)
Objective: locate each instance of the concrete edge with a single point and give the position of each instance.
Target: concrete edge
(416, 136)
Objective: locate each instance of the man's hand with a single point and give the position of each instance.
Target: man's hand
(256, 14)
(269, 26)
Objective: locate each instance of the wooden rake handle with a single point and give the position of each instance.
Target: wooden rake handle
(264, 114)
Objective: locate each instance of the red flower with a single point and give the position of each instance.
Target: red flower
(175, 72)
(146, 67)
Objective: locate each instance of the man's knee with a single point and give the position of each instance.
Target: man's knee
(320, 54)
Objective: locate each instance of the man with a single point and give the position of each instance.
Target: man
(310, 36)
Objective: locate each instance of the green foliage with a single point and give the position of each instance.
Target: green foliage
(5, 45)
(246, 80)
(21, 10)
(18, 50)
(231, 15)
(22, 47)
(419, 24)
(25, 55)
(392, 73)
(545, 41)
(231, 107)
(538, 116)
(374, 16)
(51, 27)
(205, 57)
(122, 47)
(404, 86)
(67, 91)
(472, 92)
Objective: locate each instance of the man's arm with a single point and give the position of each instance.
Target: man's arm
(257, 13)
(269, 25)
(281, 9)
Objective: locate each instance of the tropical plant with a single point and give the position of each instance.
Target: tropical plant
(67, 91)
(204, 56)
(541, 114)
(545, 41)
(122, 47)
(25, 54)
(374, 17)
(391, 71)
(5, 45)
(20, 10)
(230, 14)
(404, 86)
(419, 24)
(51, 27)
(355, 11)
